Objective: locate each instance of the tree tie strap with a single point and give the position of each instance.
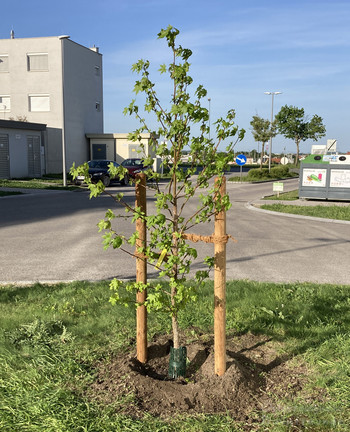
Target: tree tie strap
(208, 239)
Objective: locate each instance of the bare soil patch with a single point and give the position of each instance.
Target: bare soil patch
(257, 379)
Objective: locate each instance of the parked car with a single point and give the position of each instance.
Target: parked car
(134, 166)
(98, 170)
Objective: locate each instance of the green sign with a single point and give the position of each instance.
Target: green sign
(278, 187)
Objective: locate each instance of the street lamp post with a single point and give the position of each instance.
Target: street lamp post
(209, 99)
(270, 149)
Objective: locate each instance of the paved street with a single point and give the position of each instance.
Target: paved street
(52, 236)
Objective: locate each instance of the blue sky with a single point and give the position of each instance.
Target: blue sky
(240, 50)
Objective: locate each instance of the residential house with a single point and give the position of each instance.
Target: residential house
(56, 82)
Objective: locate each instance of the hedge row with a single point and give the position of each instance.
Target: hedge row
(264, 173)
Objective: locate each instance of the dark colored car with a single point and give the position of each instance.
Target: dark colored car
(98, 170)
(134, 166)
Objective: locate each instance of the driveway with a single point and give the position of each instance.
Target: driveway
(52, 236)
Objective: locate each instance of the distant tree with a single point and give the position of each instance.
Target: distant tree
(262, 131)
(293, 124)
(254, 154)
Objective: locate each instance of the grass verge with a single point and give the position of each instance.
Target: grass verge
(285, 196)
(53, 184)
(52, 336)
(328, 212)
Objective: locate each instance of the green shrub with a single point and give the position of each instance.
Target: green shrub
(279, 171)
(276, 172)
(258, 174)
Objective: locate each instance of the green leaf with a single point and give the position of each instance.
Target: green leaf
(117, 242)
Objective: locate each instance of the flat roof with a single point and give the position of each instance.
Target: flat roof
(12, 124)
(65, 37)
(114, 135)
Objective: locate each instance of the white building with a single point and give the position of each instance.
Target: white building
(56, 82)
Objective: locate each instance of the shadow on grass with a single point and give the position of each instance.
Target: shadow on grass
(303, 315)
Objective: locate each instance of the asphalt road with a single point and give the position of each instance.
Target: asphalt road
(51, 236)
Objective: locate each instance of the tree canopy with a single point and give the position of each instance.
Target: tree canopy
(262, 131)
(167, 251)
(293, 124)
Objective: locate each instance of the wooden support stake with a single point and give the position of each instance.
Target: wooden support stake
(141, 271)
(220, 288)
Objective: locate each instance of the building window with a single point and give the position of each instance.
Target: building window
(98, 106)
(37, 62)
(97, 71)
(4, 63)
(5, 103)
(39, 103)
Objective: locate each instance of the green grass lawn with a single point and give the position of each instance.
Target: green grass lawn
(328, 212)
(285, 196)
(52, 336)
(49, 183)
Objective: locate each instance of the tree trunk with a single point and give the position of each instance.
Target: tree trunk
(262, 154)
(297, 156)
(175, 324)
(176, 337)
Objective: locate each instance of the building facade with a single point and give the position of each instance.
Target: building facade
(117, 146)
(56, 82)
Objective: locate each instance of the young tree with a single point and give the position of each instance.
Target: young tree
(262, 131)
(167, 248)
(292, 123)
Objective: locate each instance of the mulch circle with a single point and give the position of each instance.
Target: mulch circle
(256, 379)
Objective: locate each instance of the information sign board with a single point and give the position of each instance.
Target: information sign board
(340, 178)
(278, 187)
(314, 177)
